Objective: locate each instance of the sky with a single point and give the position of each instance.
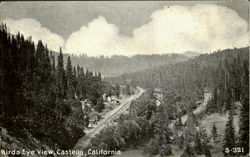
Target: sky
(131, 27)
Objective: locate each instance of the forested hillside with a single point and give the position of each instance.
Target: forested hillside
(222, 71)
(41, 97)
(225, 74)
(117, 65)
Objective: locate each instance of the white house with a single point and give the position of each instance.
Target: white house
(157, 102)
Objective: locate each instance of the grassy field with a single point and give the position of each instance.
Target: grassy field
(220, 121)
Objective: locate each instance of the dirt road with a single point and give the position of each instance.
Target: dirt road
(200, 108)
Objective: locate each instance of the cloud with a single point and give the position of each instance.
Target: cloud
(173, 29)
(98, 38)
(31, 27)
(201, 28)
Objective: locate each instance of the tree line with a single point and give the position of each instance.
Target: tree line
(117, 64)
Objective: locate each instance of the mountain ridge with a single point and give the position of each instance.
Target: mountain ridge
(117, 65)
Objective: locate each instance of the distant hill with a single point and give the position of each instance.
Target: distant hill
(191, 54)
(203, 68)
(118, 65)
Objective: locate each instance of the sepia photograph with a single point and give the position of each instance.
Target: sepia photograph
(124, 78)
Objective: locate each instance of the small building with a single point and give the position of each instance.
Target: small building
(108, 99)
(92, 123)
(207, 94)
(93, 119)
(158, 94)
(76, 97)
(158, 102)
(113, 98)
(86, 106)
(104, 96)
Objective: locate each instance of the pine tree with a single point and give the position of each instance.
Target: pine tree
(180, 122)
(197, 144)
(229, 140)
(69, 70)
(205, 142)
(60, 75)
(228, 100)
(53, 67)
(214, 132)
(188, 152)
(87, 74)
(206, 151)
(99, 77)
(47, 69)
(65, 85)
(30, 65)
(127, 89)
(99, 105)
(180, 142)
(70, 81)
(215, 96)
(40, 57)
(117, 90)
(74, 78)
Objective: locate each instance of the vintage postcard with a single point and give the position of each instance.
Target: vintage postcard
(124, 78)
